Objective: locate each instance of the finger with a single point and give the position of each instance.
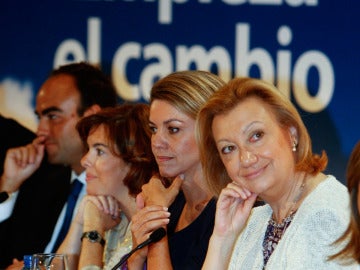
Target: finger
(154, 182)
(150, 221)
(94, 200)
(29, 154)
(140, 202)
(155, 177)
(251, 201)
(151, 213)
(242, 191)
(40, 149)
(109, 205)
(15, 154)
(239, 186)
(105, 205)
(176, 185)
(152, 225)
(229, 192)
(113, 206)
(39, 140)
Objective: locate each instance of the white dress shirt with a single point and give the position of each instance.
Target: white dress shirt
(6, 208)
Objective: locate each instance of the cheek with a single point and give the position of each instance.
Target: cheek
(65, 130)
(276, 150)
(104, 169)
(232, 166)
(186, 146)
(56, 130)
(110, 179)
(117, 171)
(191, 143)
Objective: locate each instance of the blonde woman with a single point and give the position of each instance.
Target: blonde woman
(174, 103)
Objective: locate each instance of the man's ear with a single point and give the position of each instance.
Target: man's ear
(92, 110)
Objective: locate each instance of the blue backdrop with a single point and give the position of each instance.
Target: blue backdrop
(308, 48)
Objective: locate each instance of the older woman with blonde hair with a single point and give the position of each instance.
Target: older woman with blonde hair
(253, 143)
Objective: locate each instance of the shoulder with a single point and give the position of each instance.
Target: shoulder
(325, 213)
(330, 196)
(22, 134)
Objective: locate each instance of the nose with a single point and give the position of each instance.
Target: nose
(85, 161)
(43, 127)
(247, 158)
(158, 140)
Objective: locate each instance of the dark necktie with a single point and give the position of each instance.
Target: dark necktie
(71, 202)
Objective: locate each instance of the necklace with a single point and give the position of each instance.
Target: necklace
(293, 208)
(273, 235)
(275, 231)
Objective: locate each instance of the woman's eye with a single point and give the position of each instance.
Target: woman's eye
(99, 152)
(227, 149)
(256, 136)
(173, 130)
(152, 129)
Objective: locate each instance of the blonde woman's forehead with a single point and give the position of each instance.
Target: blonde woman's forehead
(163, 112)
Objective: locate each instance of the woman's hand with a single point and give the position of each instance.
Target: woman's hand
(144, 222)
(155, 193)
(232, 210)
(98, 212)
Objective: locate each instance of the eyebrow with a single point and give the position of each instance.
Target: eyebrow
(169, 121)
(250, 125)
(241, 131)
(100, 144)
(48, 110)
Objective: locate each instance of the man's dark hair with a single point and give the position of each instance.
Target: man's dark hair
(94, 86)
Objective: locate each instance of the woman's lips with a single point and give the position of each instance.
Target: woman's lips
(163, 158)
(254, 174)
(89, 177)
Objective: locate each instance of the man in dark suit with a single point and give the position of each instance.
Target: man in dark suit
(48, 180)
(70, 92)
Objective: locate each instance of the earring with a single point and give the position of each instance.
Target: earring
(294, 146)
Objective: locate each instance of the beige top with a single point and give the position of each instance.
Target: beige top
(321, 219)
(118, 243)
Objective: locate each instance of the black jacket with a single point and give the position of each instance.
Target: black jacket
(39, 202)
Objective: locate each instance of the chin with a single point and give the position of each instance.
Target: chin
(53, 160)
(168, 173)
(91, 191)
